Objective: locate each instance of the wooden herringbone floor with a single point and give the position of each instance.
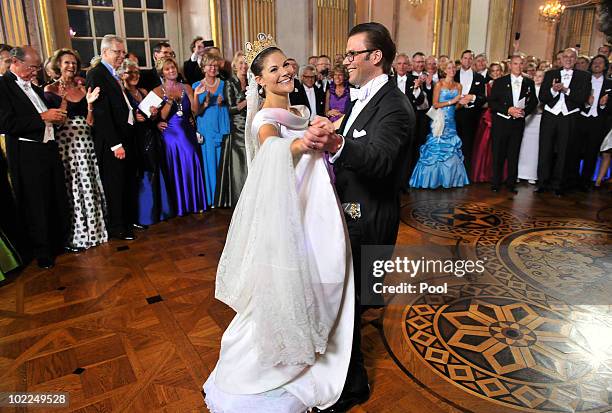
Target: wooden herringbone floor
(134, 326)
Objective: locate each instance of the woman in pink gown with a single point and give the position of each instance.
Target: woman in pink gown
(482, 157)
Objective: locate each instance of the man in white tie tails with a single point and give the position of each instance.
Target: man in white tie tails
(563, 92)
(468, 115)
(420, 92)
(34, 161)
(369, 156)
(509, 111)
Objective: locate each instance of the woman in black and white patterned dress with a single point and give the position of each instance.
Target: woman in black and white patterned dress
(83, 183)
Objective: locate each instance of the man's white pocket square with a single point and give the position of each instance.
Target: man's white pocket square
(359, 133)
(477, 83)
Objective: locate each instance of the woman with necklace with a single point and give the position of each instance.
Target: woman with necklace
(441, 160)
(183, 158)
(85, 192)
(212, 117)
(232, 167)
(153, 200)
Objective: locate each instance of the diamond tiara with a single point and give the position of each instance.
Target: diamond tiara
(251, 50)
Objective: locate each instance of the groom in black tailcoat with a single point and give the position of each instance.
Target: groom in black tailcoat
(369, 153)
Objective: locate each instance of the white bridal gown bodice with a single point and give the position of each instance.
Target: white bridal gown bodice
(287, 241)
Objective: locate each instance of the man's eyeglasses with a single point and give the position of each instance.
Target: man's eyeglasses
(118, 52)
(32, 68)
(351, 55)
(309, 77)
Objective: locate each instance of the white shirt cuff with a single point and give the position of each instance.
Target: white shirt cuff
(194, 57)
(337, 154)
(114, 148)
(416, 92)
(553, 93)
(568, 92)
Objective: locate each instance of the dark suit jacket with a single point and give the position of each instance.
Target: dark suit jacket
(370, 169)
(580, 89)
(110, 112)
(501, 98)
(298, 97)
(477, 89)
(149, 79)
(18, 119)
(192, 72)
(487, 78)
(415, 101)
(606, 89)
(18, 115)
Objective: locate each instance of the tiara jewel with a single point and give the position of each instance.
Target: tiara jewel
(251, 50)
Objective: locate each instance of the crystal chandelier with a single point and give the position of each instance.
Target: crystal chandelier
(415, 2)
(551, 11)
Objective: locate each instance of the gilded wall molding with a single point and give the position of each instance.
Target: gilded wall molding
(14, 24)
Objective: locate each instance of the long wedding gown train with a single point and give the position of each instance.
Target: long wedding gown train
(287, 256)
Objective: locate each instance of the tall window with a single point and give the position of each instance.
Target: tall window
(142, 23)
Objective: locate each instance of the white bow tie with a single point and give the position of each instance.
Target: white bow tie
(363, 94)
(24, 83)
(402, 78)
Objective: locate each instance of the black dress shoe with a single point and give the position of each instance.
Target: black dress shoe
(540, 190)
(70, 248)
(495, 188)
(45, 263)
(127, 236)
(559, 193)
(512, 190)
(139, 226)
(346, 401)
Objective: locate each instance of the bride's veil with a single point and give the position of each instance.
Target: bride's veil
(254, 102)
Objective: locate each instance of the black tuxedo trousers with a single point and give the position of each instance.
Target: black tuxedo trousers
(467, 125)
(507, 135)
(590, 132)
(554, 157)
(42, 197)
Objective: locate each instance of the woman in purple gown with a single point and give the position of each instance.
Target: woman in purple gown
(183, 156)
(337, 98)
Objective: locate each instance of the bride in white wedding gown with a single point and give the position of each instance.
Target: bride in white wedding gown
(286, 268)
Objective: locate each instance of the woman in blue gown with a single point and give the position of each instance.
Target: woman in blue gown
(212, 117)
(441, 161)
(183, 158)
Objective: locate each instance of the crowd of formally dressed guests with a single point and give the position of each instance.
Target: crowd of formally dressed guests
(503, 122)
(87, 158)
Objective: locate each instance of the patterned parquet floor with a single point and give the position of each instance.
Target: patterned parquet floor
(134, 326)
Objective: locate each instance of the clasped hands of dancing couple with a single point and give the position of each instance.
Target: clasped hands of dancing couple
(321, 136)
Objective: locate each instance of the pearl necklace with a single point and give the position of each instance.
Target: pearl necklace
(213, 85)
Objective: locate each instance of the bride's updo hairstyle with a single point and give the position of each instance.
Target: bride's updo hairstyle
(258, 65)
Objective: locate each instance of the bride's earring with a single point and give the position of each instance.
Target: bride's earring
(261, 91)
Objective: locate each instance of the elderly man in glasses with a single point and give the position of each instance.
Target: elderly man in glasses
(308, 94)
(34, 161)
(113, 130)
